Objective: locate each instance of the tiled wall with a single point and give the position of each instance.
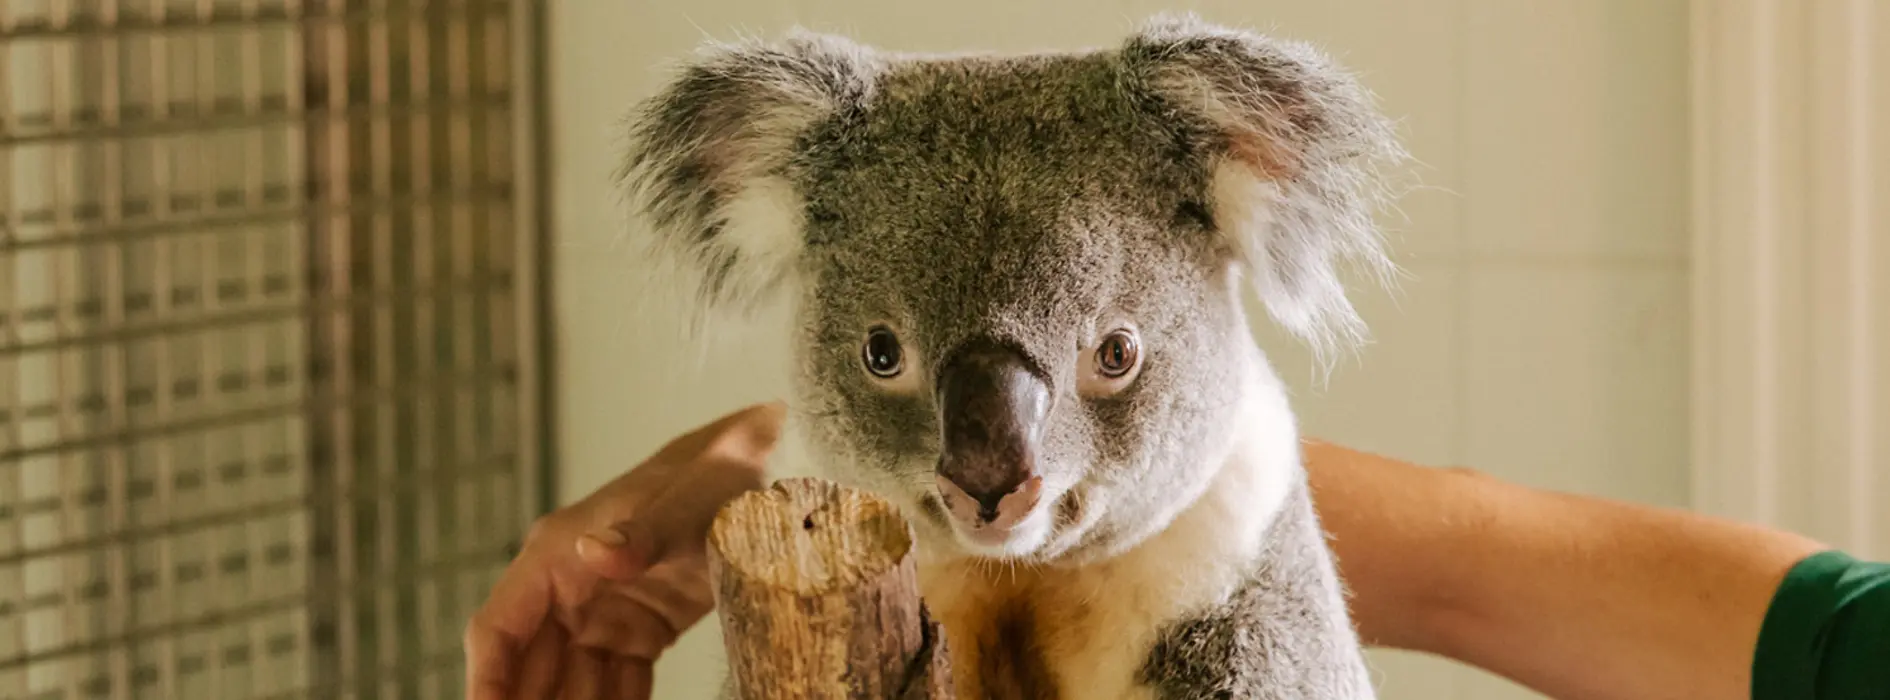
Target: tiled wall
(1541, 335)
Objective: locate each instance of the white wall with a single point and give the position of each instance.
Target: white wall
(1791, 302)
(1542, 337)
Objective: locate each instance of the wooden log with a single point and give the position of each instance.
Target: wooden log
(817, 591)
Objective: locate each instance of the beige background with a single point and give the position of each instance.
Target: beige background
(1542, 336)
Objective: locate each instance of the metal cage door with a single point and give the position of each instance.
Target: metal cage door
(270, 355)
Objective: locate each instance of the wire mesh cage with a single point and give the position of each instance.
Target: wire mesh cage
(269, 367)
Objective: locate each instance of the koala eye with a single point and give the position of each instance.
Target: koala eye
(1110, 365)
(881, 353)
(1117, 354)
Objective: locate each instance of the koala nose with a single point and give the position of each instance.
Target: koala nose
(992, 408)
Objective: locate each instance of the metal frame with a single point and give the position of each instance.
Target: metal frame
(537, 472)
(224, 380)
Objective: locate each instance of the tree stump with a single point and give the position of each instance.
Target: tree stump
(817, 591)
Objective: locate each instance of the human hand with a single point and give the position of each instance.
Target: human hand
(602, 586)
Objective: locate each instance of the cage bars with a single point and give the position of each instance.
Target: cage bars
(270, 405)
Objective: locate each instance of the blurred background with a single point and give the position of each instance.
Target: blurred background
(270, 341)
(308, 306)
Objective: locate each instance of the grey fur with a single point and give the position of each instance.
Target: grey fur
(1284, 636)
(1033, 200)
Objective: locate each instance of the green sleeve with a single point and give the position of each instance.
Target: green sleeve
(1826, 634)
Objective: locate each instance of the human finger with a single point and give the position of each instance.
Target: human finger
(632, 679)
(621, 551)
(750, 431)
(674, 523)
(625, 627)
(496, 635)
(675, 493)
(490, 667)
(542, 665)
(582, 677)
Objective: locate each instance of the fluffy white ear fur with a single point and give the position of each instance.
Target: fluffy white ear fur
(762, 229)
(1314, 306)
(1296, 182)
(1295, 187)
(707, 158)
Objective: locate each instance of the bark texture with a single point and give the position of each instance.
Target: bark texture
(817, 591)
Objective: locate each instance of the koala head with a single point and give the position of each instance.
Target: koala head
(1017, 280)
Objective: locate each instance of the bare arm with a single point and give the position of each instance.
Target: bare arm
(1578, 598)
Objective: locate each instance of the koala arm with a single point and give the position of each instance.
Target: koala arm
(1579, 598)
(1285, 633)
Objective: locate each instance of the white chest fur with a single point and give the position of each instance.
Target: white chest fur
(1086, 631)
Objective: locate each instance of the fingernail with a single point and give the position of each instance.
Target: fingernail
(609, 537)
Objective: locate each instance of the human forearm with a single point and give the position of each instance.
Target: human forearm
(1579, 598)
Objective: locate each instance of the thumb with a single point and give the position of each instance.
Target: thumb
(712, 465)
(675, 524)
(620, 552)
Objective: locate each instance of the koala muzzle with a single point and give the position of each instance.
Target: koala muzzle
(992, 408)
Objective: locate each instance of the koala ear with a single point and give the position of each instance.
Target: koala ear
(709, 156)
(1294, 145)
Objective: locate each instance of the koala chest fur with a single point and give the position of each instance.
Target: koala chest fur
(1236, 597)
(1016, 287)
(1147, 624)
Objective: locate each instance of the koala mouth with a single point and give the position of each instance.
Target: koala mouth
(986, 523)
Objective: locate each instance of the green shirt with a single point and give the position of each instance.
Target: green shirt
(1826, 635)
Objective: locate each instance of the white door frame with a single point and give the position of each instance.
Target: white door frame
(1789, 348)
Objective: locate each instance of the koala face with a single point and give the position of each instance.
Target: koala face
(1017, 279)
(1016, 311)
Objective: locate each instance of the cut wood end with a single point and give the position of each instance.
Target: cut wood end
(810, 536)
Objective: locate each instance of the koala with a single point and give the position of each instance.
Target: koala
(1017, 286)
